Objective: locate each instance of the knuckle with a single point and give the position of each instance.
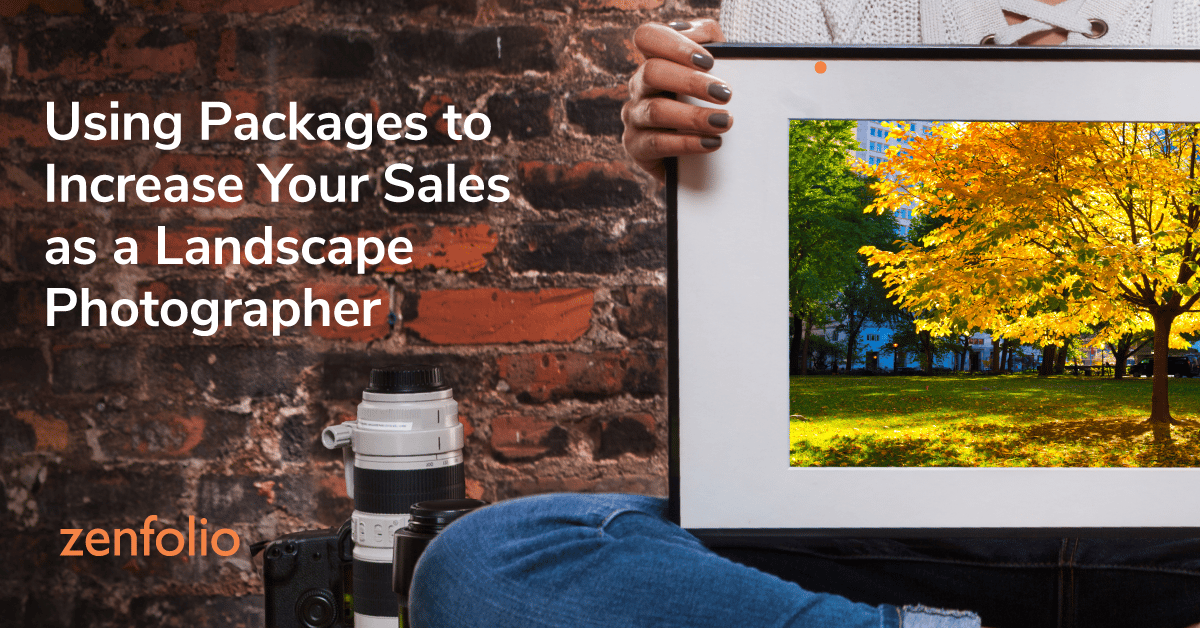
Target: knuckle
(653, 69)
(653, 112)
(642, 35)
(655, 144)
(637, 83)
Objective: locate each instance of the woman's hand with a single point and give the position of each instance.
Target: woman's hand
(656, 125)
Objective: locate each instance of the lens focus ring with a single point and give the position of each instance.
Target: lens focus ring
(393, 492)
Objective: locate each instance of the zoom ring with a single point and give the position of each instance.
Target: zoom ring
(393, 492)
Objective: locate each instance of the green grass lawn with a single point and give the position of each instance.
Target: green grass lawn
(997, 421)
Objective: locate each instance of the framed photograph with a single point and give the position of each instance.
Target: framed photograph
(983, 189)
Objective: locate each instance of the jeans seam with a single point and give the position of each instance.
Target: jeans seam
(602, 528)
(1162, 570)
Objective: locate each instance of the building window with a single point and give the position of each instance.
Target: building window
(872, 337)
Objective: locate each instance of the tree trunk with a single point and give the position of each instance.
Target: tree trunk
(851, 340)
(1160, 408)
(995, 365)
(804, 352)
(927, 353)
(1060, 360)
(1047, 366)
(794, 348)
(1119, 359)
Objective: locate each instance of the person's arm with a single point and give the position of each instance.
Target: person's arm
(657, 125)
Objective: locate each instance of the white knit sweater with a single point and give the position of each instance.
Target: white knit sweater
(1170, 23)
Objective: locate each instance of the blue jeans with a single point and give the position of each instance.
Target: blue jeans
(611, 561)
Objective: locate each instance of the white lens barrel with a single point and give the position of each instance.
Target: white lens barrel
(407, 448)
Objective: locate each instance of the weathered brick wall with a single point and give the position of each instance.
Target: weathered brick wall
(547, 311)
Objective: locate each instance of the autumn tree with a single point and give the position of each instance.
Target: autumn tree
(1051, 228)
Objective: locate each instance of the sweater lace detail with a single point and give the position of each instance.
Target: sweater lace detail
(1043, 17)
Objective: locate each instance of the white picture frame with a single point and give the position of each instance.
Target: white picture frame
(728, 292)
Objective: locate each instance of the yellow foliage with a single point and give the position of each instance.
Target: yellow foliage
(1045, 229)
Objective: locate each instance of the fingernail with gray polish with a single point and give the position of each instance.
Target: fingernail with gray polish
(704, 62)
(680, 26)
(720, 92)
(718, 120)
(710, 142)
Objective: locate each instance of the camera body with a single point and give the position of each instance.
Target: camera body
(307, 579)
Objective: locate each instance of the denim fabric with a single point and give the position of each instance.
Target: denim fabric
(610, 561)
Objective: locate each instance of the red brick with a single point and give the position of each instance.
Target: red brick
(518, 437)
(585, 185)
(474, 489)
(468, 428)
(612, 49)
(215, 6)
(645, 316)
(460, 249)
(649, 484)
(629, 434)
(157, 436)
(227, 69)
(598, 111)
(542, 377)
(521, 115)
(122, 57)
(14, 8)
(270, 53)
(52, 434)
(33, 132)
(334, 292)
(433, 109)
(490, 316)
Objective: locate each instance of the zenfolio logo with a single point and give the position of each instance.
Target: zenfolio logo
(96, 542)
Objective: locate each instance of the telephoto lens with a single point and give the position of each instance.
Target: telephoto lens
(405, 447)
(427, 521)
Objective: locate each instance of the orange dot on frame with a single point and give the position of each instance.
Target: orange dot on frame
(820, 67)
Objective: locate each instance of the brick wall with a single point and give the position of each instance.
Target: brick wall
(546, 311)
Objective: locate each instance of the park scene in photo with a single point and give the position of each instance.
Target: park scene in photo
(994, 294)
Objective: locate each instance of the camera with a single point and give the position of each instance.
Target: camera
(306, 577)
(404, 447)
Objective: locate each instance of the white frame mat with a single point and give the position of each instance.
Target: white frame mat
(729, 304)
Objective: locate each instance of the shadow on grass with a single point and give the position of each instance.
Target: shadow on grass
(1117, 442)
(1080, 429)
